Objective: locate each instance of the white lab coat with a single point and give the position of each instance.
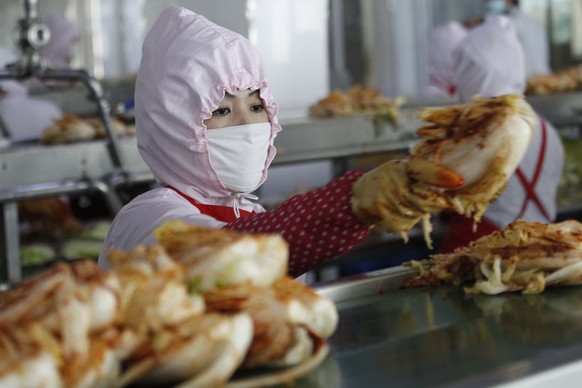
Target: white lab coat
(444, 38)
(27, 117)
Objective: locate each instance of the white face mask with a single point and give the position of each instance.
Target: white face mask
(238, 154)
(497, 6)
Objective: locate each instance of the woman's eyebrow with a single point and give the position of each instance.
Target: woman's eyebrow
(251, 93)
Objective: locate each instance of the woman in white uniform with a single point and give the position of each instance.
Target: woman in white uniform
(24, 116)
(444, 38)
(531, 34)
(58, 52)
(490, 62)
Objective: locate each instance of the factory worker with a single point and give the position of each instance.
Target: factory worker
(58, 52)
(206, 121)
(24, 116)
(443, 40)
(64, 36)
(531, 34)
(490, 62)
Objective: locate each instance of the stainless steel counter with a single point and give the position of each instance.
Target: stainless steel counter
(439, 336)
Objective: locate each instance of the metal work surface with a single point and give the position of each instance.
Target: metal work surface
(440, 336)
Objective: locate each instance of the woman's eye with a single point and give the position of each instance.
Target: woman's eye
(256, 108)
(221, 112)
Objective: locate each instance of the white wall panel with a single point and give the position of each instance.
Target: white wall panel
(396, 44)
(292, 36)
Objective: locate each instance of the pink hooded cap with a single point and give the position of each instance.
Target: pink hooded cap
(490, 60)
(188, 64)
(444, 39)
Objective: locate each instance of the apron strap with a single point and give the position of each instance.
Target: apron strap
(529, 186)
(221, 213)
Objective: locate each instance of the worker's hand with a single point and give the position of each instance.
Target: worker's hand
(396, 195)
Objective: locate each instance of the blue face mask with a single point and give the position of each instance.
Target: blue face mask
(496, 6)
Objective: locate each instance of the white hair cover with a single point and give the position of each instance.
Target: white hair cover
(444, 38)
(490, 60)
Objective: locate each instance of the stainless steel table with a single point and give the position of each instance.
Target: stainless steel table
(439, 336)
